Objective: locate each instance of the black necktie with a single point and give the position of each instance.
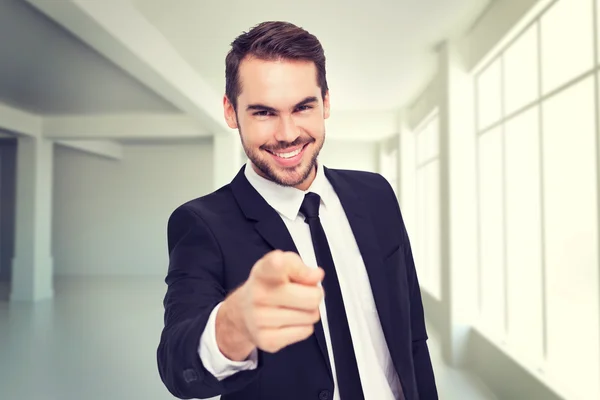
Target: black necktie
(348, 379)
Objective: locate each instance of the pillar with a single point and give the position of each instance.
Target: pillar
(458, 195)
(32, 270)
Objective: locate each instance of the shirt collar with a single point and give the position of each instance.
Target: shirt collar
(287, 200)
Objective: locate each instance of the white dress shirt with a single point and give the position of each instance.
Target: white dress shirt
(378, 376)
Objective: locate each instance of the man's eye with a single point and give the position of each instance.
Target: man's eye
(263, 113)
(303, 108)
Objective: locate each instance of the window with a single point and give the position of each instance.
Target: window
(537, 117)
(428, 235)
(523, 236)
(388, 162)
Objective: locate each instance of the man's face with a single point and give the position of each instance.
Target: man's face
(281, 119)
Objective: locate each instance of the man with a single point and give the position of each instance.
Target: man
(294, 281)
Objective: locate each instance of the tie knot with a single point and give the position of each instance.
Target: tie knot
(310, 205)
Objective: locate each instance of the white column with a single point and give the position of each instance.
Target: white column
(227, 157)
(32, 270)
(458, 197)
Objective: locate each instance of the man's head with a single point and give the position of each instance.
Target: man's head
(276, 95)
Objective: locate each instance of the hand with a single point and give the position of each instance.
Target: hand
(277, 306)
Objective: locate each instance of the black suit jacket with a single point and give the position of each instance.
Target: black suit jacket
(213, 243)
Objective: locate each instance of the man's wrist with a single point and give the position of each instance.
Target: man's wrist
(231, 338)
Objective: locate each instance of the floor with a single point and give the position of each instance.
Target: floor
(96, 340)
(452, 383)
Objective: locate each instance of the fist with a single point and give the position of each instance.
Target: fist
(280, 301)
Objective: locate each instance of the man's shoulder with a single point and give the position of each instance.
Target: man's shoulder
(219, 202)
(361, 180)
(373, 188)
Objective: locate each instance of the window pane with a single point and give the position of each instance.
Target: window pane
(432, 228)
(567, 42)
(407, 182)
(428, 141)
(433, 139)
(523, 237)
(421, 242)
(521, 71)
(570, 218)
(389, 167)
(422, 138)
(491, 233)
(489, 96)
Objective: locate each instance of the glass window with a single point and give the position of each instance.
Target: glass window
(521, 71)
(523, 236)
(431, 202)
(571, 235)
(567, 40)
(491, 233)
(427, 243)
(489, 96)
(428, 141)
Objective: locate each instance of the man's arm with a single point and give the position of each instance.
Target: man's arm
(426, 386)
(422, 361)
(194, 289)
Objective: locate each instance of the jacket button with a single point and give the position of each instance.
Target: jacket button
(190, 375)
(324, 394)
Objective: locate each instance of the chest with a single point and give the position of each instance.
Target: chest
(349, 264)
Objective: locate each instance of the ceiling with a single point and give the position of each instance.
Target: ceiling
(45, 70)
(153, 58)
(380, 53)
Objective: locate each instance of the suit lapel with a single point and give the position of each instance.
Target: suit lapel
(357, 212)
(268, 223)
(271, 227)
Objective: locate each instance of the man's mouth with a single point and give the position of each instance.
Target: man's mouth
(288, 153)
(289, 157)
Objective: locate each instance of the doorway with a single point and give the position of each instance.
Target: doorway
(8, 196)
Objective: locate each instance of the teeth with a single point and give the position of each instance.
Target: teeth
(290, 154)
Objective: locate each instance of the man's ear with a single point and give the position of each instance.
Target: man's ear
(326, 106)
(229, 113)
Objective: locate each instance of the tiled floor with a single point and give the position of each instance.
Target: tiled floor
(97, 341)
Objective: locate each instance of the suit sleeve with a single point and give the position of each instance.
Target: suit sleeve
(422, 361)
(194, 287)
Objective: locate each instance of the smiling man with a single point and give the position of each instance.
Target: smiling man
(294, 281)
(281, 108)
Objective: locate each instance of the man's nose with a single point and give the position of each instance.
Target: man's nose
(288, 130)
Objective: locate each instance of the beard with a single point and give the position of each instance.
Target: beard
(293, 176)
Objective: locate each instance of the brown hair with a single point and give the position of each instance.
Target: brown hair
(273, 40)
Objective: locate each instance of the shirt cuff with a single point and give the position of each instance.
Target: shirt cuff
(213, 360)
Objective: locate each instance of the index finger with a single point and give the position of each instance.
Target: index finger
(298, 272)
(272, 268)
(282, 267)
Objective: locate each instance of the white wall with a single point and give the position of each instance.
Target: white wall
(110, 216)
(354, 155)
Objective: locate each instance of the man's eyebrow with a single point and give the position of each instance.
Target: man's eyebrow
(262, 107)
(308, 100)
